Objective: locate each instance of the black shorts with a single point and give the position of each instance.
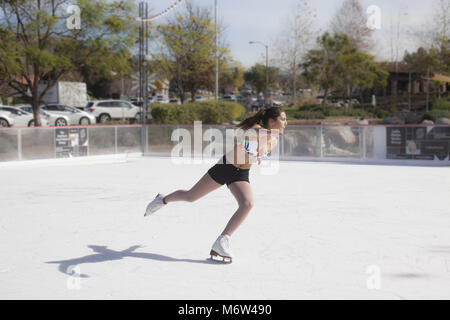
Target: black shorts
(226, 173)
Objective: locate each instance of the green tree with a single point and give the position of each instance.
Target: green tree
(321, 66)
(358, 69)
(422, 59)
(434, 60)
(296, 37)
(339, 65)
(187, 51)
(256, 77)
(38, 44)
(232, 76)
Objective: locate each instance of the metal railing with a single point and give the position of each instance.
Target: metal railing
(356, 142)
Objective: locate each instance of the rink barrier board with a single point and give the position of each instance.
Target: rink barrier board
(398, 144)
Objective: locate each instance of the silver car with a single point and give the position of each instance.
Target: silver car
(6, 119)
(76, 116)
(21, 118)
(57, 120)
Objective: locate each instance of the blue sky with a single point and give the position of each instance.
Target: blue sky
(263, 20)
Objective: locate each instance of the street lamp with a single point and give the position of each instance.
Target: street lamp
(216, 86)
(267, 66)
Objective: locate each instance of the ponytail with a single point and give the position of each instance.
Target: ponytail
(261, 117)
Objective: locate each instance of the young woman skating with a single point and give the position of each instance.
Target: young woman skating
(233, 170)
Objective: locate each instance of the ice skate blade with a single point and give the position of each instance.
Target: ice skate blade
(214, 257)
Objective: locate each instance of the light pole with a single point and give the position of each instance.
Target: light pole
(267, 65)
(216, 87)
(144, 56)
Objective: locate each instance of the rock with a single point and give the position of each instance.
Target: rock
(362, 121)
(443, 121)
(393, 120)
(427, 122)
(301, 142)
(413, 117)
(400, 115)
(340, 135)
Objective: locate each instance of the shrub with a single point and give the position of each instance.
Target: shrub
(212, 112)
(437, 114)
(441, 105)
(299, 102)
(357, 113)
(160, 113)
(309, 115)
(381, 114)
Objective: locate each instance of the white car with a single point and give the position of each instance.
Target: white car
(21, 118)
(6, 119)
(107, 110)
(160, 99)
(229, 97)
(175, 101)
(57, 120)
(76, 116)
(276, 103)
(200, 98)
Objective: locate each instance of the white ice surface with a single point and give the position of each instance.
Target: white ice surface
(314, 232)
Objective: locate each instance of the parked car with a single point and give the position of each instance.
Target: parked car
(106, 110)
(276, 103)
(229, 97)
(174, 101)
(139, 103)
(345, 103)
(21, 118)
(75, 115)
(161, 99)
(6, 119)
(200, 98)
(57, 120)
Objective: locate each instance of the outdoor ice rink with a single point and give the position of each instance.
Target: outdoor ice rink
(74, 229)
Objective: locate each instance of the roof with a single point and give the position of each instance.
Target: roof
(401, 67)
(441, 78)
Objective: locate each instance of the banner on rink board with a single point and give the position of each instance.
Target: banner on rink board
(71, 142)
(418, 143)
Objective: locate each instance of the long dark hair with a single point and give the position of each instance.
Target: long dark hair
(261, 117)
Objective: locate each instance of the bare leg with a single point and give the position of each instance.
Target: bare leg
(204, 186)
(242, 191)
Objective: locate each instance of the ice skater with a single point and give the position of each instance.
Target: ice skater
(234, 172)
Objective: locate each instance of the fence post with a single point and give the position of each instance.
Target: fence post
(54, 141)
(143, 139)
(363, 146)
(146, 139)
(115, 139)
(87, 137)
(319, 132)
(19, 144)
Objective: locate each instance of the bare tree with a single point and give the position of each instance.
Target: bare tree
(441, 27)
(186, 54)
(352, 21)
(296, 39)
(435, 28)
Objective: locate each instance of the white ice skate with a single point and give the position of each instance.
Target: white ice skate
(155, 205)
(221, 248)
